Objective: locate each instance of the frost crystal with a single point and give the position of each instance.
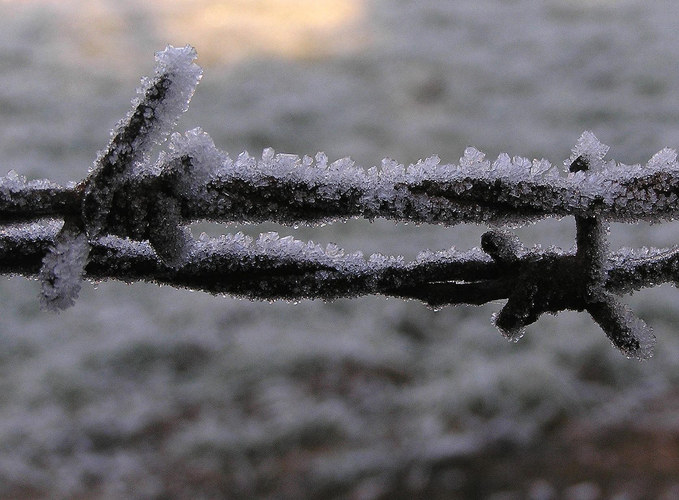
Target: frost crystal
(204, 160)
(624, 329)
(666, 157)
(588, 153)
(472, 158)
(176, 65)
(162, 100)
(63, 269)
(131, 216)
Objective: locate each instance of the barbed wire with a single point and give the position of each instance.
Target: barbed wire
(128, 220)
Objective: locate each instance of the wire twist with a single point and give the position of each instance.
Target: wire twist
(128, 220)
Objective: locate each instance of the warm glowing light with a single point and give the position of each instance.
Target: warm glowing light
(230, 30)
(112, 34)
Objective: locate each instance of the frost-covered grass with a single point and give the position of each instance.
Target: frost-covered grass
(139, 390)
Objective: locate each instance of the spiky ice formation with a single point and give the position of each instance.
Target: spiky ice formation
(63, 268)
(162, 99)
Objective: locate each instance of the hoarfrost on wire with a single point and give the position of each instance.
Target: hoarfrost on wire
(63, 270)
(588, 150)
(624, 194)
(128, 200)
(155, 111)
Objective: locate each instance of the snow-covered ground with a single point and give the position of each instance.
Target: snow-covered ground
(140, 391)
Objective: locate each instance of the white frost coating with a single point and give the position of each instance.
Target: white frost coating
(521, 178)
(154, 114)
(127, 247)
(631, 330)
(590, 149)
(47, 228)
(14, 183)
(606, 186)
(63, 269)
(473, 159)
(541, 167)
(643, 333)
(450, 255)
(624, 256)
(342, 172)
(206, 159)
(666, 157)
(273, 245)
(177, 64)
(160, 116)
(524, 182)
(423, 168)
(239, 247)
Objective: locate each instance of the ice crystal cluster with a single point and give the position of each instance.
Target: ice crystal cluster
(128, 219)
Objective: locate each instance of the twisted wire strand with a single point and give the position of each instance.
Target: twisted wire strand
(128, 221)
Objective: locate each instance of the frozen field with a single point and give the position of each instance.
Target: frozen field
(151, 392)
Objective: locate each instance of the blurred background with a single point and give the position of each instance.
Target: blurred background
(143, 392)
